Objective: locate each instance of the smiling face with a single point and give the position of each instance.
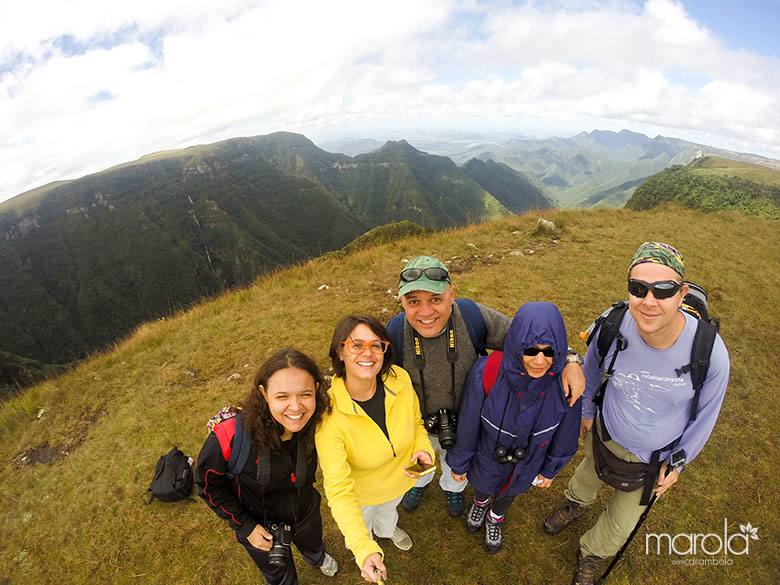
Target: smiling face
(537, 365)
(290, 393)
(658, 320)
(428, 312)
(366, 364)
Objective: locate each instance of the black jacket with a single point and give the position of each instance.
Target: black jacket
(239, 500)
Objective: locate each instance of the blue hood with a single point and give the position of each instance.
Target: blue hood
(535, 323)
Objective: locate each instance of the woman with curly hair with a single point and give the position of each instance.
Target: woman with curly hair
(373, 433)
(256, 468)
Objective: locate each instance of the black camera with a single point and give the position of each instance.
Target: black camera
(280, 550)
(504, 455)
(442, 424)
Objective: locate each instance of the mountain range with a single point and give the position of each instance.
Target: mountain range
(85, 261)
(592, 169)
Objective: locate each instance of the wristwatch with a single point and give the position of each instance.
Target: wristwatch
(574, 358)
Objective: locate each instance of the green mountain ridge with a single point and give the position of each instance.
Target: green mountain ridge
(713, 184)
(86, 260)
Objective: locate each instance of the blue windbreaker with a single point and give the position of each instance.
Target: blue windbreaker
(537, 415)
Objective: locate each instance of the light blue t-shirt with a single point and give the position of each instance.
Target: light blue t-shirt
(646, 404)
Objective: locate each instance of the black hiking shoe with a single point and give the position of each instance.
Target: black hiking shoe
(455, 503)
(476, 517)
(564, 516)
(411, 499)
(493, 537)
(587, 569)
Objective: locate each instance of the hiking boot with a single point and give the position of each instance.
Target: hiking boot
(564, 516)
(476, 517)
(329, 566)
(411, 500)
(401, 539)
(455, 503)
(493, 538)
(587, 569)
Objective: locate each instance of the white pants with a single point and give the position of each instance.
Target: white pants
(445, 481)
(381, 519)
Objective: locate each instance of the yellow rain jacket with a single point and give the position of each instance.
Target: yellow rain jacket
(361, 466)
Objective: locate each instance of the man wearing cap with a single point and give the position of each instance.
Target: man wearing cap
(647, 413)
(439, 349)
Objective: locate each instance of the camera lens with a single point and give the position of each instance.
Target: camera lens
(446, 435)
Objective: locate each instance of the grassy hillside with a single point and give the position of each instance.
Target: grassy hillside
(713, 184)
(78, 452)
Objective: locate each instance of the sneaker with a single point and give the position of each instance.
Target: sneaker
(493, 538)
(587, 569)
(476, 517)
(329, 566)
(455, 503)
(401, 539)
(412, 498)
(564, 516)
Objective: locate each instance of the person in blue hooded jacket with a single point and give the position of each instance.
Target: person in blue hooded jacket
(521, 431)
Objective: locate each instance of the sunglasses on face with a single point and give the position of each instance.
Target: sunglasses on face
(534, 351)
(437, 274)
(662, 289)
(358, 346)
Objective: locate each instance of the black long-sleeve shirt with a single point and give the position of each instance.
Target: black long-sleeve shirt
(239, 500)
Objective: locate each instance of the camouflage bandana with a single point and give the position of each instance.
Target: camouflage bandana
(659, 253)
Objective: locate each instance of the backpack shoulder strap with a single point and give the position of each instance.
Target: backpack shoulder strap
(395, 328)
(701, 350)
(242, 445)
(490, 373)
(475, 324)
(608, 328)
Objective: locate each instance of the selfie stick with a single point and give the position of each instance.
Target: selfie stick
(677, 459)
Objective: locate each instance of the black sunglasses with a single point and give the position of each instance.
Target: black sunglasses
(532, 351)
(412, 274)
(662, 289)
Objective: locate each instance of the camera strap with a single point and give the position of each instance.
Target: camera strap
(452, 357)
(298, 475)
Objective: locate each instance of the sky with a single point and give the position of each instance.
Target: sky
(87, 84)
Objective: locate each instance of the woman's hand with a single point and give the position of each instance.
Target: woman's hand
(423, 457)
(261, 538)
(372, 567)
(459, 478)
(542, 481)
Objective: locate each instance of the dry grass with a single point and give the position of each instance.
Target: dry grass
(80, 518)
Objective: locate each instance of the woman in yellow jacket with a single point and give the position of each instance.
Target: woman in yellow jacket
(374, 431)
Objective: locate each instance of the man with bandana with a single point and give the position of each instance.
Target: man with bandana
(646, 403)
(432, 319)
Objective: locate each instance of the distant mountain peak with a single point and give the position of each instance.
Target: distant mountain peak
(398, 146)
(610, 139)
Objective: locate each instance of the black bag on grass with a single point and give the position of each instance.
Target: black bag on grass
(172, 478)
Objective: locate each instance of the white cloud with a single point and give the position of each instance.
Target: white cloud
(87, 84)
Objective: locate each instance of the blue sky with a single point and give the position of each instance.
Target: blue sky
(88, 84)
(751, 25)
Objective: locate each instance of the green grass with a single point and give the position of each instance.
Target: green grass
(80, 518)
(724, 167)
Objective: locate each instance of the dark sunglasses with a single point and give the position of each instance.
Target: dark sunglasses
(662, 289)
(412, 274)
(533, 351)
